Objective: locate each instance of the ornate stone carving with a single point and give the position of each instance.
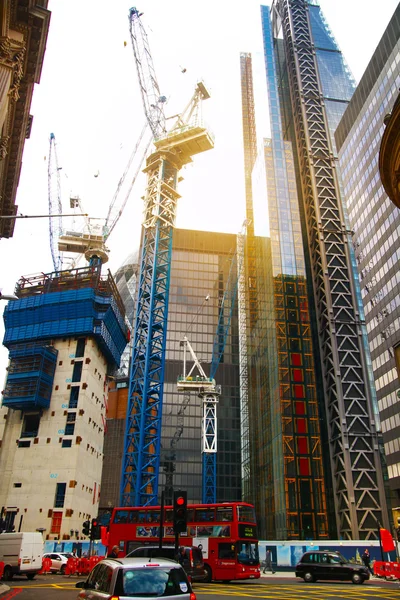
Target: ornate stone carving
(3, 146)
(12, 55)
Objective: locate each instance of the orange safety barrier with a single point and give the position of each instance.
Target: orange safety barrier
(93, 560)
(1, 569)
(72, 565)
(46, 565)
(83, 567)
(387, 569)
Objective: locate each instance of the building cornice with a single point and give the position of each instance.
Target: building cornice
(24, 28)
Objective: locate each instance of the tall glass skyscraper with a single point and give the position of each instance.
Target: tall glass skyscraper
(375, 222)
(323, 442)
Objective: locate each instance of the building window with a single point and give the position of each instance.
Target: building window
(60, 495)
(30, 425)
(17, 485)
(77, 372)
(70, 429)
(66, 444)
(80, 348)
(24, 444)
(56, 521)
(74, 396)
(70, 424)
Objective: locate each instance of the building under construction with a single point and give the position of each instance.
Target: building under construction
(65, 334)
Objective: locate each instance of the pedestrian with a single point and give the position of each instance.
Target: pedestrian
(268, 562)
(181, 555)
(366, 558)
(114, 552)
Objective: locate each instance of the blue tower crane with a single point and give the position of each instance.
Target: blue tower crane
(173, 149)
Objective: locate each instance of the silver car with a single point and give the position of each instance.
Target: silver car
(138, 578)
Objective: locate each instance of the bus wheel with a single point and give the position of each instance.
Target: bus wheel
(208, 577)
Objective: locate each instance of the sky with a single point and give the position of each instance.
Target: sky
(89, 97)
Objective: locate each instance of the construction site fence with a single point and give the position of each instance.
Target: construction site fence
(387, 569)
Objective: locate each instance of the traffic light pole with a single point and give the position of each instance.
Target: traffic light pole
(160, 533)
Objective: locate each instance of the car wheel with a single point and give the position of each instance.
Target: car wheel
(7, 573)
(31, 576)
(308, 577)
(62, 570)
(357, 578)
(208, 577)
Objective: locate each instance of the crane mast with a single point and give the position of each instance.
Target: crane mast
(55, 204)
(173, 150)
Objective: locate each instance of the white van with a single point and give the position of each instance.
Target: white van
(21, 553)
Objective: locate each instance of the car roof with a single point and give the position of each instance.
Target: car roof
(136, 561)
(321, 552)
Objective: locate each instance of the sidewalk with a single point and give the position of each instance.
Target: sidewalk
(3, 589)
(279, 574)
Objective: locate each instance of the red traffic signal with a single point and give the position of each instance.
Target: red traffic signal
(180, 511)
(95, 532)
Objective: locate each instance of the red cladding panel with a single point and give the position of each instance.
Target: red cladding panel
(298, 390)
(300, 408)
(304, 466)
(302, 446)
(301, 426)
(296, 360)
(298, 374)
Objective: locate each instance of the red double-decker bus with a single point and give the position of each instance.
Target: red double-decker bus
(226, 532)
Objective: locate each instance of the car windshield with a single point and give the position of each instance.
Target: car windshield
(67, 554)
(337, 558)
(151, 582)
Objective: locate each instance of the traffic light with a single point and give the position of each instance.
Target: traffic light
(95, 533)
(86, 527)
(180, 511)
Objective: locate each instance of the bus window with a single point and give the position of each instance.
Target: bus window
(247, 553)
(190, 515)
(226, 550)
(142, 516)
(154, 516)
(169, 515)
(205, 515)
(122, 516)
(224, 513)
(246, 514)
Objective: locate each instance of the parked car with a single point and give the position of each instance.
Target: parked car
(192, 560)
(58, 561)
(136, 577)
(321, 564)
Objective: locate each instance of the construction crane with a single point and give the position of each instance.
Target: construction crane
(204, 385)
(55, 204)
(172, 150)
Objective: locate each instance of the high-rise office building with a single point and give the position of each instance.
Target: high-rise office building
(200, 266)
(375, 224)
(323, 443)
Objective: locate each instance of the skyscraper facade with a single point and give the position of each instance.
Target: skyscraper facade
(320, 400)
(200, 266)
(375, 223)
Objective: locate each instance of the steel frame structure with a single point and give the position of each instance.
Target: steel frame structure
(139, 484)
(353, 443)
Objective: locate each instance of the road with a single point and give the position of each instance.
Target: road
(56, 587)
